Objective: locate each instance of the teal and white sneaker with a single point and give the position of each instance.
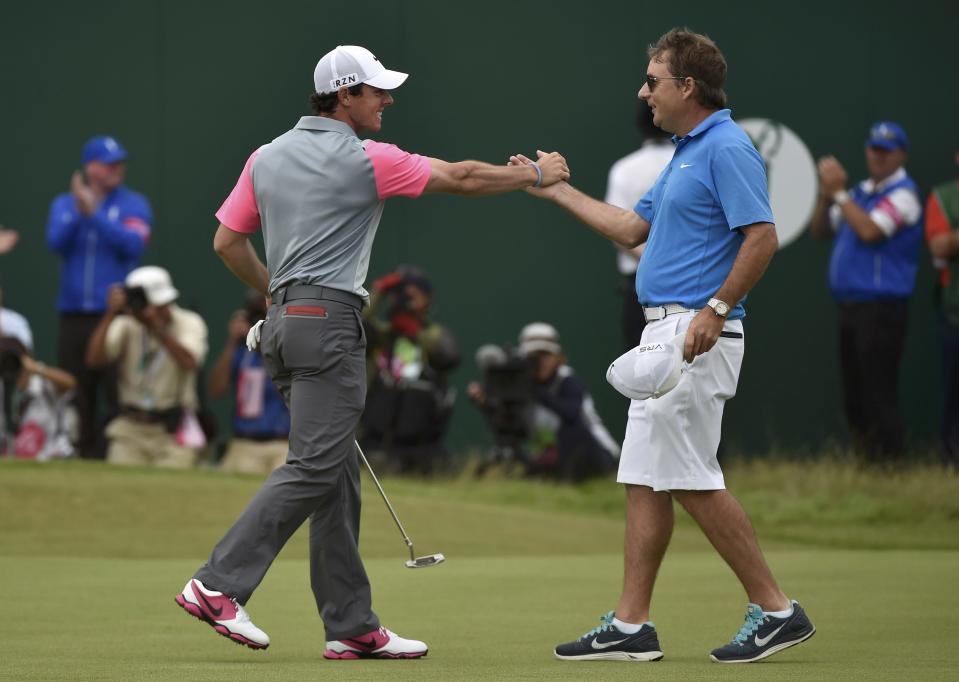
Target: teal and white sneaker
(762, 635)
(608, 643)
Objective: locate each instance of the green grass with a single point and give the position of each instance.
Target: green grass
(92, 557)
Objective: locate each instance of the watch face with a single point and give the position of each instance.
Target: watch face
(721, 308)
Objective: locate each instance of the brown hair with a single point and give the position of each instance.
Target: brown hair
(327, 103)
(697, 56)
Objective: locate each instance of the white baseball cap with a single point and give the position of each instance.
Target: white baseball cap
(539, 336)
(156, 284)
(350, 65)
(648, 371)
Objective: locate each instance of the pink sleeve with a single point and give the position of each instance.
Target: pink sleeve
(239, 212)
(397, 173)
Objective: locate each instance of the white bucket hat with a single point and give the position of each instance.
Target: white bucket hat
(156, 284)
(650, 370)
(15, 325)
(539, 336)
(349, 65)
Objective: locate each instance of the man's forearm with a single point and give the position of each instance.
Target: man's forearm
(181, 356)
(96, 355)
(219, 380)
(754, 255)
(62, 380)
(485, 178)
(60, 232)
(475, 178)
(241, 258)
(626, 228)
(819, 225)
(246, 265)
(861, 223)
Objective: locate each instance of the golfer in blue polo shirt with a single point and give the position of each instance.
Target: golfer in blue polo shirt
(709, 236)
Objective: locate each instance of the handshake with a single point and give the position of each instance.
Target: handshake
(551, 168)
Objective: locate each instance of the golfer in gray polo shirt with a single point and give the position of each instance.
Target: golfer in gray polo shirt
(317, 193)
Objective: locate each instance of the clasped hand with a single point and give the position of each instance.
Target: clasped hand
(85, 197)
(553, 166)
(832, 176)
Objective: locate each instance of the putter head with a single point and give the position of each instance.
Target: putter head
(425, 561)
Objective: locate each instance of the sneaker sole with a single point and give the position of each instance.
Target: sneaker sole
(648, 656)
(768, 652)
(195, 611)
(356, 655)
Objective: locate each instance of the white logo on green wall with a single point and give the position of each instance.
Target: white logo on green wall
(791, 172)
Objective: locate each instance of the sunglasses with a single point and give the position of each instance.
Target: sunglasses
(651, 81)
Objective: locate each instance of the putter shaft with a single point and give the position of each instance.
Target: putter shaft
(406, 538)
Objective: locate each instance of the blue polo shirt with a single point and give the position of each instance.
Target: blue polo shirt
(714, 184)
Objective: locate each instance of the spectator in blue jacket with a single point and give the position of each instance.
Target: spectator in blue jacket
(99, 229)
(878, 228)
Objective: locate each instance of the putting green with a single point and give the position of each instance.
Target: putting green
(91, 560)
(880, 615)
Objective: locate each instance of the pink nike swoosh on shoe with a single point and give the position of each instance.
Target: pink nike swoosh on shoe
(381, 643)
(369, 641)
(222, 613)
(215, 607)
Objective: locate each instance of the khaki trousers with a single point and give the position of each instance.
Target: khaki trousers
(133, 443)
(261, 457)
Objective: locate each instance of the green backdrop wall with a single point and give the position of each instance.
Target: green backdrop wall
(191, 88)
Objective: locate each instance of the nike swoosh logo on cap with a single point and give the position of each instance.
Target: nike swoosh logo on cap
(605, 645)
(685, 165)
(763, 641)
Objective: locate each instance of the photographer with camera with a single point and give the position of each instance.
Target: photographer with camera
(159, 348)
(539, 411)
(34, 400)
(261, 420)
(409, 401)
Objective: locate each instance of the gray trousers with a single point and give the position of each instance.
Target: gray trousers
(315, 351)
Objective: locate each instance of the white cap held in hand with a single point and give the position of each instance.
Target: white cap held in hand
(649, 370)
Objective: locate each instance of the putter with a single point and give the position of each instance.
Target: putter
(414, 561)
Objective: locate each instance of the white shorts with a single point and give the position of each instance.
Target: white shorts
(671, 442)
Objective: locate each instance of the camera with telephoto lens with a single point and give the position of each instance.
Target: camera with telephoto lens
(508, 387)
(136, 299)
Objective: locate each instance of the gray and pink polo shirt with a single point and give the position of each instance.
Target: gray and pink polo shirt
(317, 191)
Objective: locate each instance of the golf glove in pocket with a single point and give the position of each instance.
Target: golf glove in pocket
(253, 336)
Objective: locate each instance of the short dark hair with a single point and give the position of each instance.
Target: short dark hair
(327, 102)
(697, 56)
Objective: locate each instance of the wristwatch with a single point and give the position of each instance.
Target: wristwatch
(840, 197)
(721, 308)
